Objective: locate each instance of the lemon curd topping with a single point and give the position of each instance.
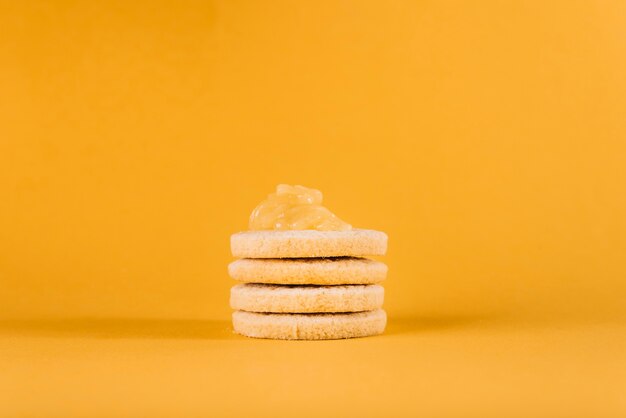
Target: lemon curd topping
(295, 208)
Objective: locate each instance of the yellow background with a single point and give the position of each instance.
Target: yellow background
(488, 139)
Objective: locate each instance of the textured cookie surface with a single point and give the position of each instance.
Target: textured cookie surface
(308, 243)
(320, 271)
(309, 326)
(306, 299)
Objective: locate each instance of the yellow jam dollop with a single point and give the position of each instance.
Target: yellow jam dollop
(295, 207)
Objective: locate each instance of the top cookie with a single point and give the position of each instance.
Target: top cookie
(308, 243)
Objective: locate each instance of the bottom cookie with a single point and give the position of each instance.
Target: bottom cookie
(328, 326)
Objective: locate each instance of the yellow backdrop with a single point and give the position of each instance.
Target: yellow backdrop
(487, 139)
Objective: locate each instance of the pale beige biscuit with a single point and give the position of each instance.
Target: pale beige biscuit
(306, 299)
(320, 271)
(309, 326)
(308, 243)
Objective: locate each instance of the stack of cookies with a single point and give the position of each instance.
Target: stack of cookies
(308, 284)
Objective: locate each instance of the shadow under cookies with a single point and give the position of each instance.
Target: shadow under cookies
(118, 328)
(415, 324)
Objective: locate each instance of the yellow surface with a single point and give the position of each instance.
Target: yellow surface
(433, 367)
(487, 138)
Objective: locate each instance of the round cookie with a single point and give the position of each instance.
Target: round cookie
(308, 243)
(309, 326)
(320, 271)
(306, 299)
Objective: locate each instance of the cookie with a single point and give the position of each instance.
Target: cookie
(308, 243)
(309, 326)
(306, 299)
(320, 271)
